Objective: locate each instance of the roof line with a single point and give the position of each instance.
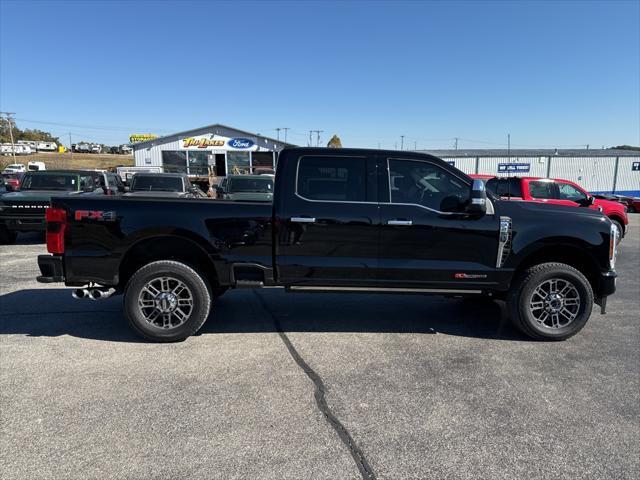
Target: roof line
(185, 132)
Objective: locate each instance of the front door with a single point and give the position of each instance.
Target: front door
(427, 241)
(328, 232)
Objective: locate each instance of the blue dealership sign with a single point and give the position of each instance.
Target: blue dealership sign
(514, 167)
(240, 143)
(635, 167)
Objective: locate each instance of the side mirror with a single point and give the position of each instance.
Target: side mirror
(478, 198)
(451, 203)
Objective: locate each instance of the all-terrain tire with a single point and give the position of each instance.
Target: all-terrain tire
(521, 296)
(198, 291)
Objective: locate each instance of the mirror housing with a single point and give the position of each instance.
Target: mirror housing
(478, 198)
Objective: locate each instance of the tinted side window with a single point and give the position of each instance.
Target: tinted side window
(333, 178)
(569, 192)
(424, 184)
(541, 189)
(505, 187)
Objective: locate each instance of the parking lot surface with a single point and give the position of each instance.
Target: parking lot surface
(282, 386)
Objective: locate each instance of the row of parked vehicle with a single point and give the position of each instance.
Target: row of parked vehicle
(26, 195)
(560, 192)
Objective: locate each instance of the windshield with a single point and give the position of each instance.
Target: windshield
(50, 182)
(262, 185)
(145, 183)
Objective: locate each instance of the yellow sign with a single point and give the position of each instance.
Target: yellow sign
(141, 137)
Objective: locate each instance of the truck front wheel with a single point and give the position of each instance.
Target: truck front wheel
(166, 301)
(550, 301)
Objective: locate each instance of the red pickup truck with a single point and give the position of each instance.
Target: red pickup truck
(557, 192)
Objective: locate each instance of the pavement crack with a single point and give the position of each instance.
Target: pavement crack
(356, 452)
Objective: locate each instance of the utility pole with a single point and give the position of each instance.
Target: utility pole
(318, 132)
(278, 133)
(401, 142)
(509, 146)
(70, 147)
(415, 145)
(9, 121)
(456, 142)
(285, 133)
(310, 133)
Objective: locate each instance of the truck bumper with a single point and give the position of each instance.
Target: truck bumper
(607, 283)
(25, 224)
(607, 287)
(51, 268)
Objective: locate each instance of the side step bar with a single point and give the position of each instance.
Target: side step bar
(249, 284)
(383, 289)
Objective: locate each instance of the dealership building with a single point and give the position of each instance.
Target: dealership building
(228, 150)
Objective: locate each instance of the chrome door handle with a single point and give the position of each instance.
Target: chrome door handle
(400, 222)
(303, 220)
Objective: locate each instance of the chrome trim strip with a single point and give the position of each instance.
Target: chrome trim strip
(490, 209)
(383, 289)
(303, 220)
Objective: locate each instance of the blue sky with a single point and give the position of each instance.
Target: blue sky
(549, 73)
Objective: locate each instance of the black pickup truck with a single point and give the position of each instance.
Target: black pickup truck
(347, 220)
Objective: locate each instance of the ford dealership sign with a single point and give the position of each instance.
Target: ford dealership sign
(240, 143)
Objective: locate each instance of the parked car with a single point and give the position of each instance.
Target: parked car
(14, 168)
(24, 210)
(11, 181)
(127, 173)
(632, 203)
(246, 188)
(556, 192)
(337, 223)
(166, 185)
(36, 166)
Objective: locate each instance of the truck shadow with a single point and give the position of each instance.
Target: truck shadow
(53, 312)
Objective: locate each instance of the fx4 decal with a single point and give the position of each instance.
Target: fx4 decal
(95, 215)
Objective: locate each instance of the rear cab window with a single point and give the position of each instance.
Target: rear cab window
(336, 179)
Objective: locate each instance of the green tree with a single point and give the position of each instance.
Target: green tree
(335, 142)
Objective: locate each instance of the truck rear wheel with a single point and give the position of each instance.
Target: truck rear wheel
(166, 301)
(550, 301)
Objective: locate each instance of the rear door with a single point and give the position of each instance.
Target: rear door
(328, 232)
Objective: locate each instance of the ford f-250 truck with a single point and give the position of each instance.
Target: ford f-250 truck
(346, 220)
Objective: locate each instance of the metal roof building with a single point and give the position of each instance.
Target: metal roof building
(215, 148)
(599, 171)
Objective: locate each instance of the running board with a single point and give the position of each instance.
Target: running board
(249, 284)
(383, 289)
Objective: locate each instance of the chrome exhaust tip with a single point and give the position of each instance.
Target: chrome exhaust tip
(80, 293)
(100, 294)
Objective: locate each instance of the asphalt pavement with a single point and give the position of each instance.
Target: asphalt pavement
(314, 386)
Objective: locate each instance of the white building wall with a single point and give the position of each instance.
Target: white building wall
(594, 174)
(466, 164)
(628, 180)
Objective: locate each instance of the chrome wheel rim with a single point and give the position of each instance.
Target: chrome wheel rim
(165, 302)
(555, 303)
